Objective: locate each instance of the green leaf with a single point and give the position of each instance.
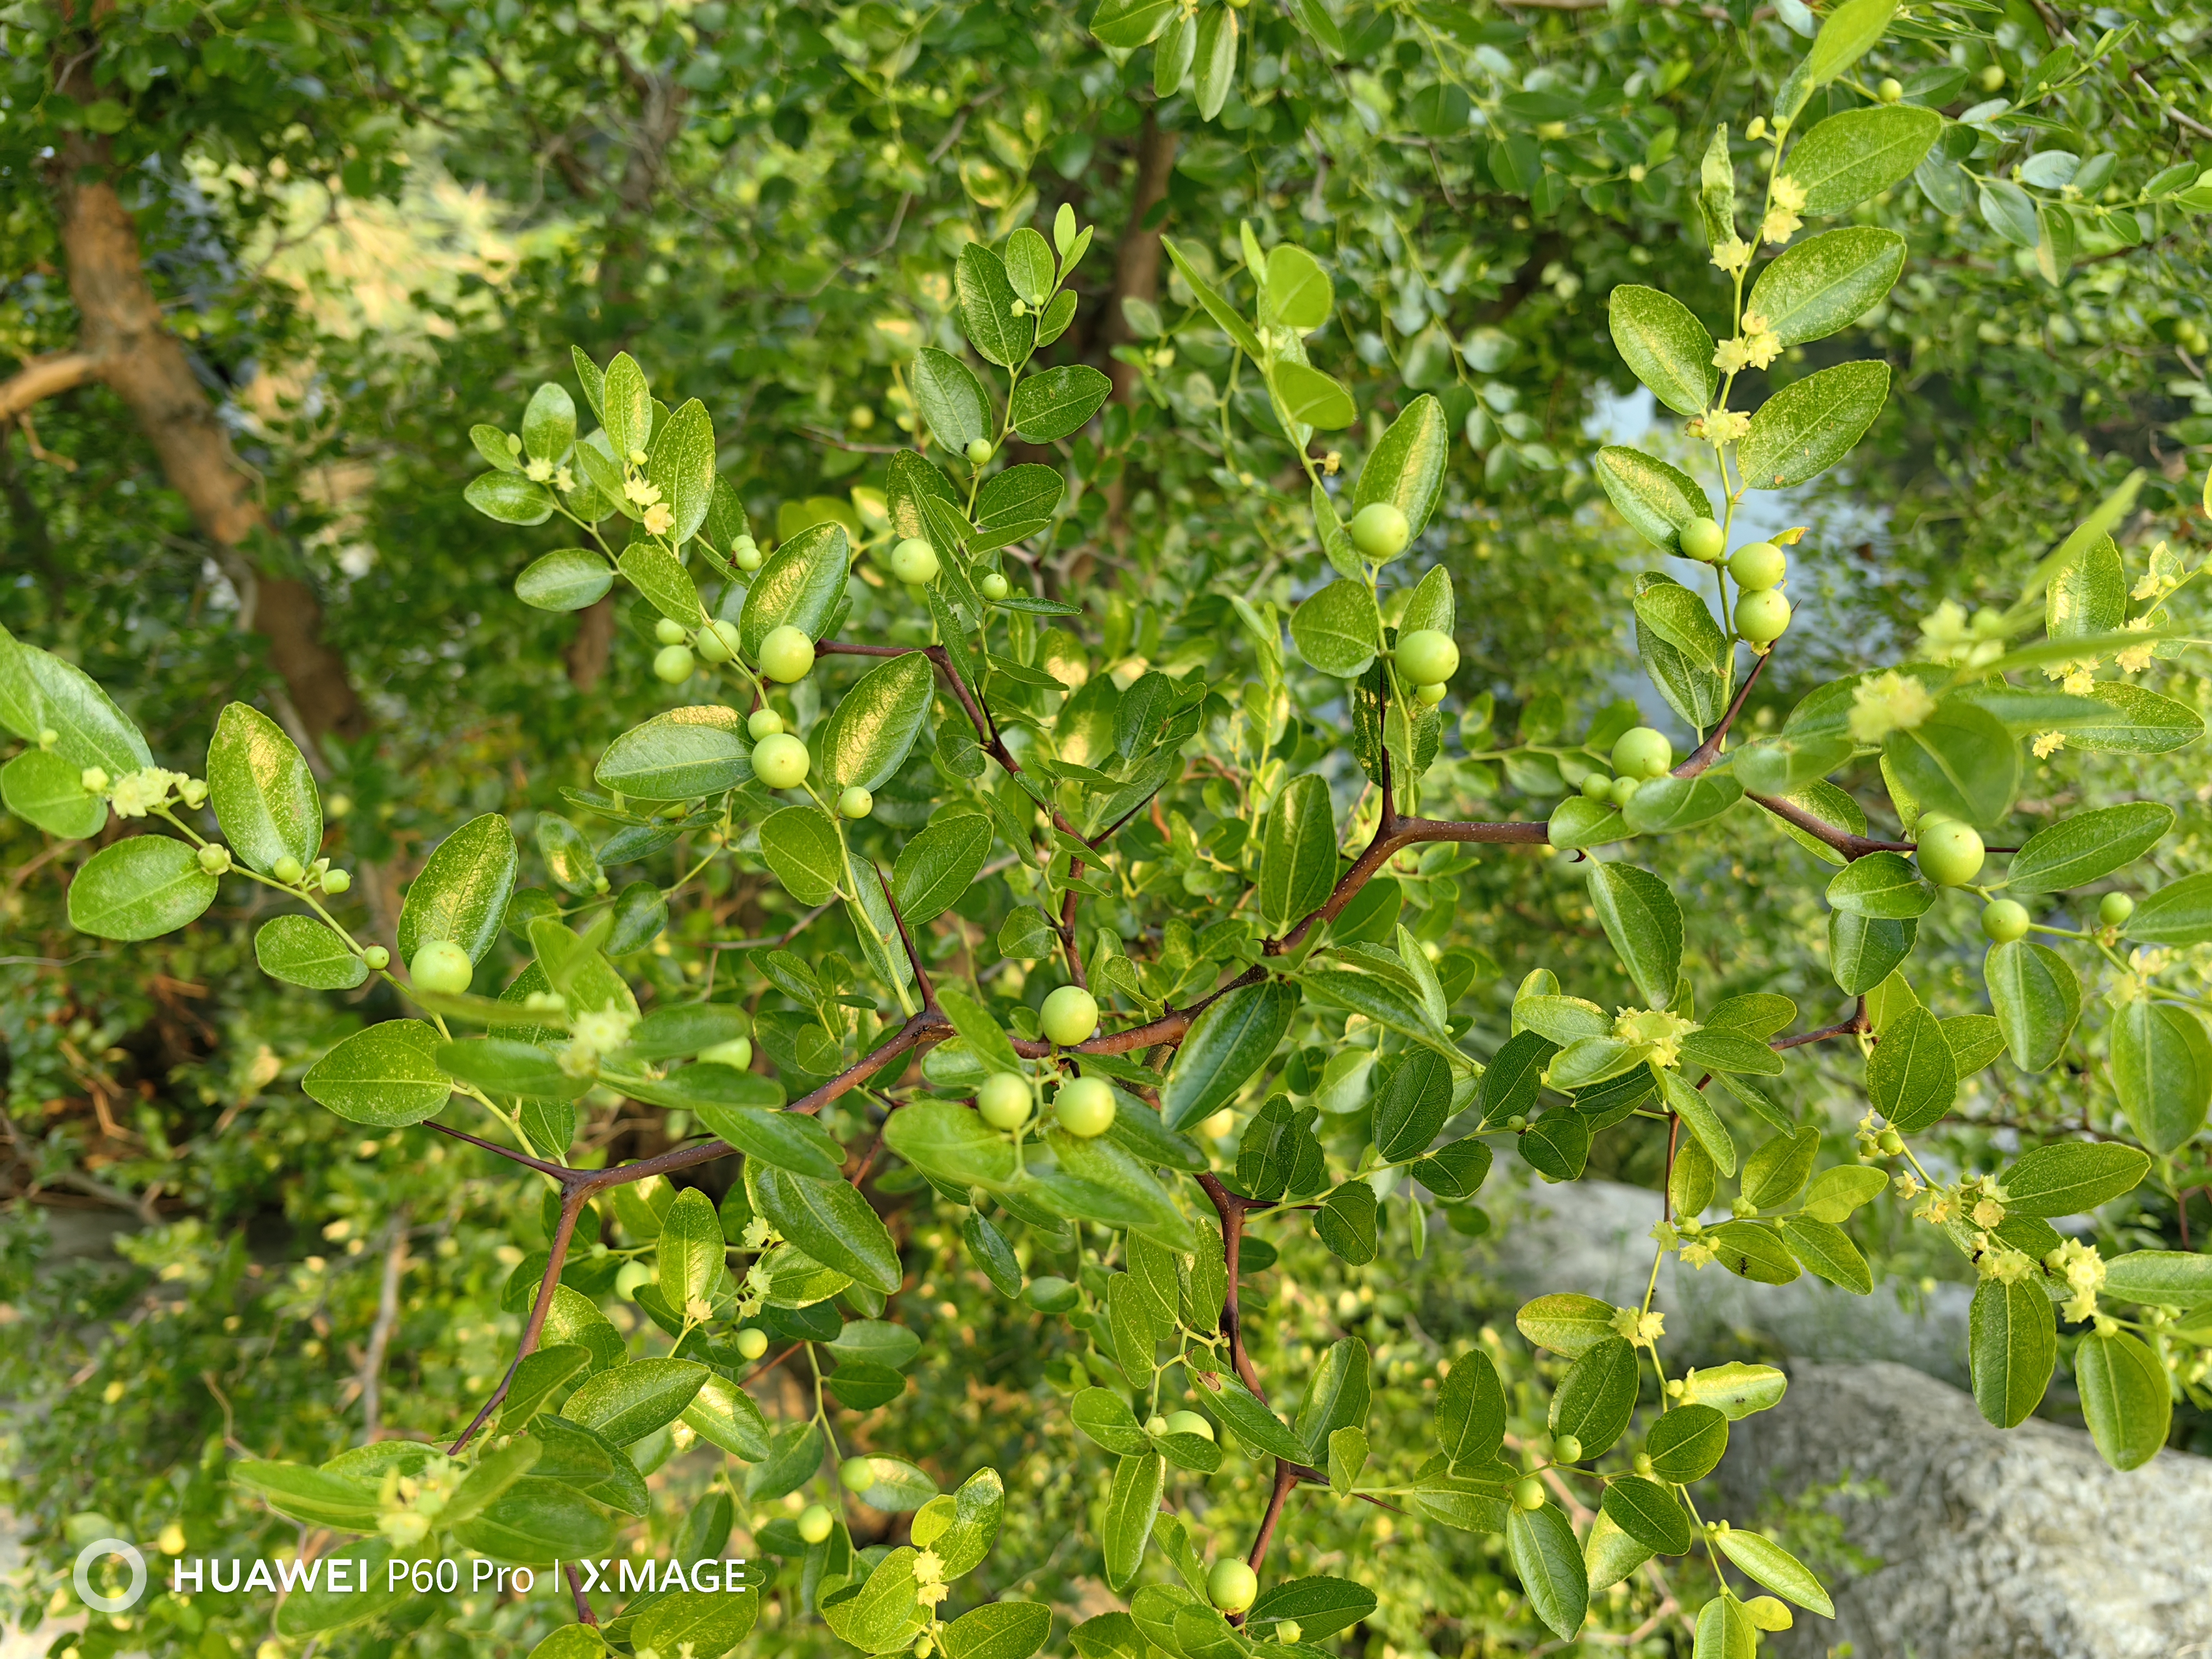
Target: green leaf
(801, 846)
(1405, 469)
(1881, 885)
(1597, 1398)
(309, 1495)
(1542, 1545)
(802, 582)
(1827, 1252)
(1470, 1412)
(1665, 346)
(1336, 1397)
(1847, 33)
(509, 498)
(2012, 1345)
(1228, 1042)
(2088, 845)
(43, 789)
(2088, 596)
(1724, 1631)
(1297, 293)
(364, 1592)
(1105, 1417)
(1912, 1077)
(1735, 1389)
(1130, 1505)
(2177, 1279)
(951, 1144)
(139, 888)
(386, 1076)
(1649, 1513)
(1835, 1193)
(1864, 951)
(682, 463)
(997, 1630)
(681, 754)
(548, 423)
(1853, 155)
(987, 308)
(1298, 855)
(704, 1623)
(1238, 330)
(724, 1414)
(1247, 1414)
(1214, 64)
(1810, 424)
(829, 1221)
(1683, 650)
(1345, 1222)
(625, 406)
(2036, 998)
(569, 579)
(2072, 1177)
(663, 583)
(1057, 403)
(1657, 500)
(2161, 1071)
(1566, 1322)
(1773, 1566)
(40, 692)
(1412, 1106)
(462, 892)
(2126, 1397)
(568, 857)
(1643, 922)
(1338, 629)
(262, 791)
(2142, 722)
(502, 1066)
(2179, 914)
(867, 736)
(1314, 399)
(1579, 821)
(689, 1253)
(1961, 759)
(940, 864)
(1663, 806)
(1687, 1442)
(1100, 1180)
(301, 951)
(1320, 1607)
(1126, 25)
(1750, 1251)
(629, 1402)
(1776, 1170)
(1827, 282)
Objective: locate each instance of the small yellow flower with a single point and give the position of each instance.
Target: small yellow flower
(1698, 1256)
(2079, 682)
(658, 520)
(1731, 355)
(1732, 253)
(1888, 703)
(565, 482)
(1787, 194)
(1656, 1029)
(1721, 426)
(1778, 225)
(640, 493)
(539, 471)
(1988, 1213)
(2048, 743)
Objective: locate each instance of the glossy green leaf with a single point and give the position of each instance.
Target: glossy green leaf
(2088, 845)
(1664, 345)
(463, 891)
(1826, 283)
(1566, 1322)
(1229, 1041)
(2162, 1062)
(802, 582)
(1132, 1504)
(1912, 1077)
(567, 580)
(1405, 469)
(2072, 1177)
(301, 951)
(2012, 1346)
(1644, 922)
(1057, 403)
(2036, 998)
(829, 1221)
(1885, 884)
(509, 498)
(680, 755)
(663, 583)
(1649, 1513)
(1657, 500)
(940, 864)
(1766, 1561)
(1597, 1398)
(1298, 853)
(2126, 1397)
(1687, 1442)
(1470, 1413)
(139, 888)
(1542, 1547)
(801, 846)
(867, 736)
(1810, 424)
(1853, 155)
(40, 692)
(42, 788)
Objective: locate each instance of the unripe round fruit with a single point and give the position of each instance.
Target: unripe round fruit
(1156, 1424)
(763, 723)
(1891, 1143)
(1430, 695)
(1949, 853)
(1566, 1450)
(2005, 920)
(737, 1053)
(1623, 790)
(1889, 89)
(719, 642)
(781, 761)
(1643, 1464)
(1758, 565)
(289, 869)
(1290, 1630)
(1069, 1016)
(914, 561)
(994, 586)
(1189, 1423)
(1084, 1106)
(377, 957)
(1517, 1123)
(745, 554)
(1529, 1493)
(1004, 1100)
(1642, 752)
(443, 967)
(815, 1521)
(670, 633)
(856, 803)
(2114, 908)
(1380, 530)
(215, 859)
(1763, 618)
(1598, 786)
(857, 1474)
(1993, 77)
(674, 663)
(335, 881)
(1232, 1586)
(1427, 656)
(752, 1342)
(786, 654)
(1703, 539)
(978, 450)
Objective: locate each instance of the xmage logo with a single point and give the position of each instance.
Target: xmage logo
(91, 1555)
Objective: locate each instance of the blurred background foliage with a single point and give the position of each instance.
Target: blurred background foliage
(371, 225)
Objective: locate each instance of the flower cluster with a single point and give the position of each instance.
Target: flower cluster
(1786, 205)
(1885, 704)
(1658, 1030)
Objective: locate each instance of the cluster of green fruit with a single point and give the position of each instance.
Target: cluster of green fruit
(1640, 755)
(1762, 609)
(1426, 658)
(2006, 920)
(1083, 1106)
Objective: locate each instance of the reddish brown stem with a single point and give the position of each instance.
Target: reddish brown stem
(1703, 755)
(1853, 1026)
(583, 1608)
(1285, 1479)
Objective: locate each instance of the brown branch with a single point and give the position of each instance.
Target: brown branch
(576, 1588)
(379, 1335)
(1853, 1026)
(1851, 846)
(1285, 1479)
(41, 377)
(1703, 755)
(1393, 836)
(913, 956)
(558, 1171)
(572, 1205)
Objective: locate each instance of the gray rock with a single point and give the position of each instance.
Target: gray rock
(1993, 1543)
(1595, 1236)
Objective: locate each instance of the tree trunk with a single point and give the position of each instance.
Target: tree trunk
(138, 358)
(1137, 257)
